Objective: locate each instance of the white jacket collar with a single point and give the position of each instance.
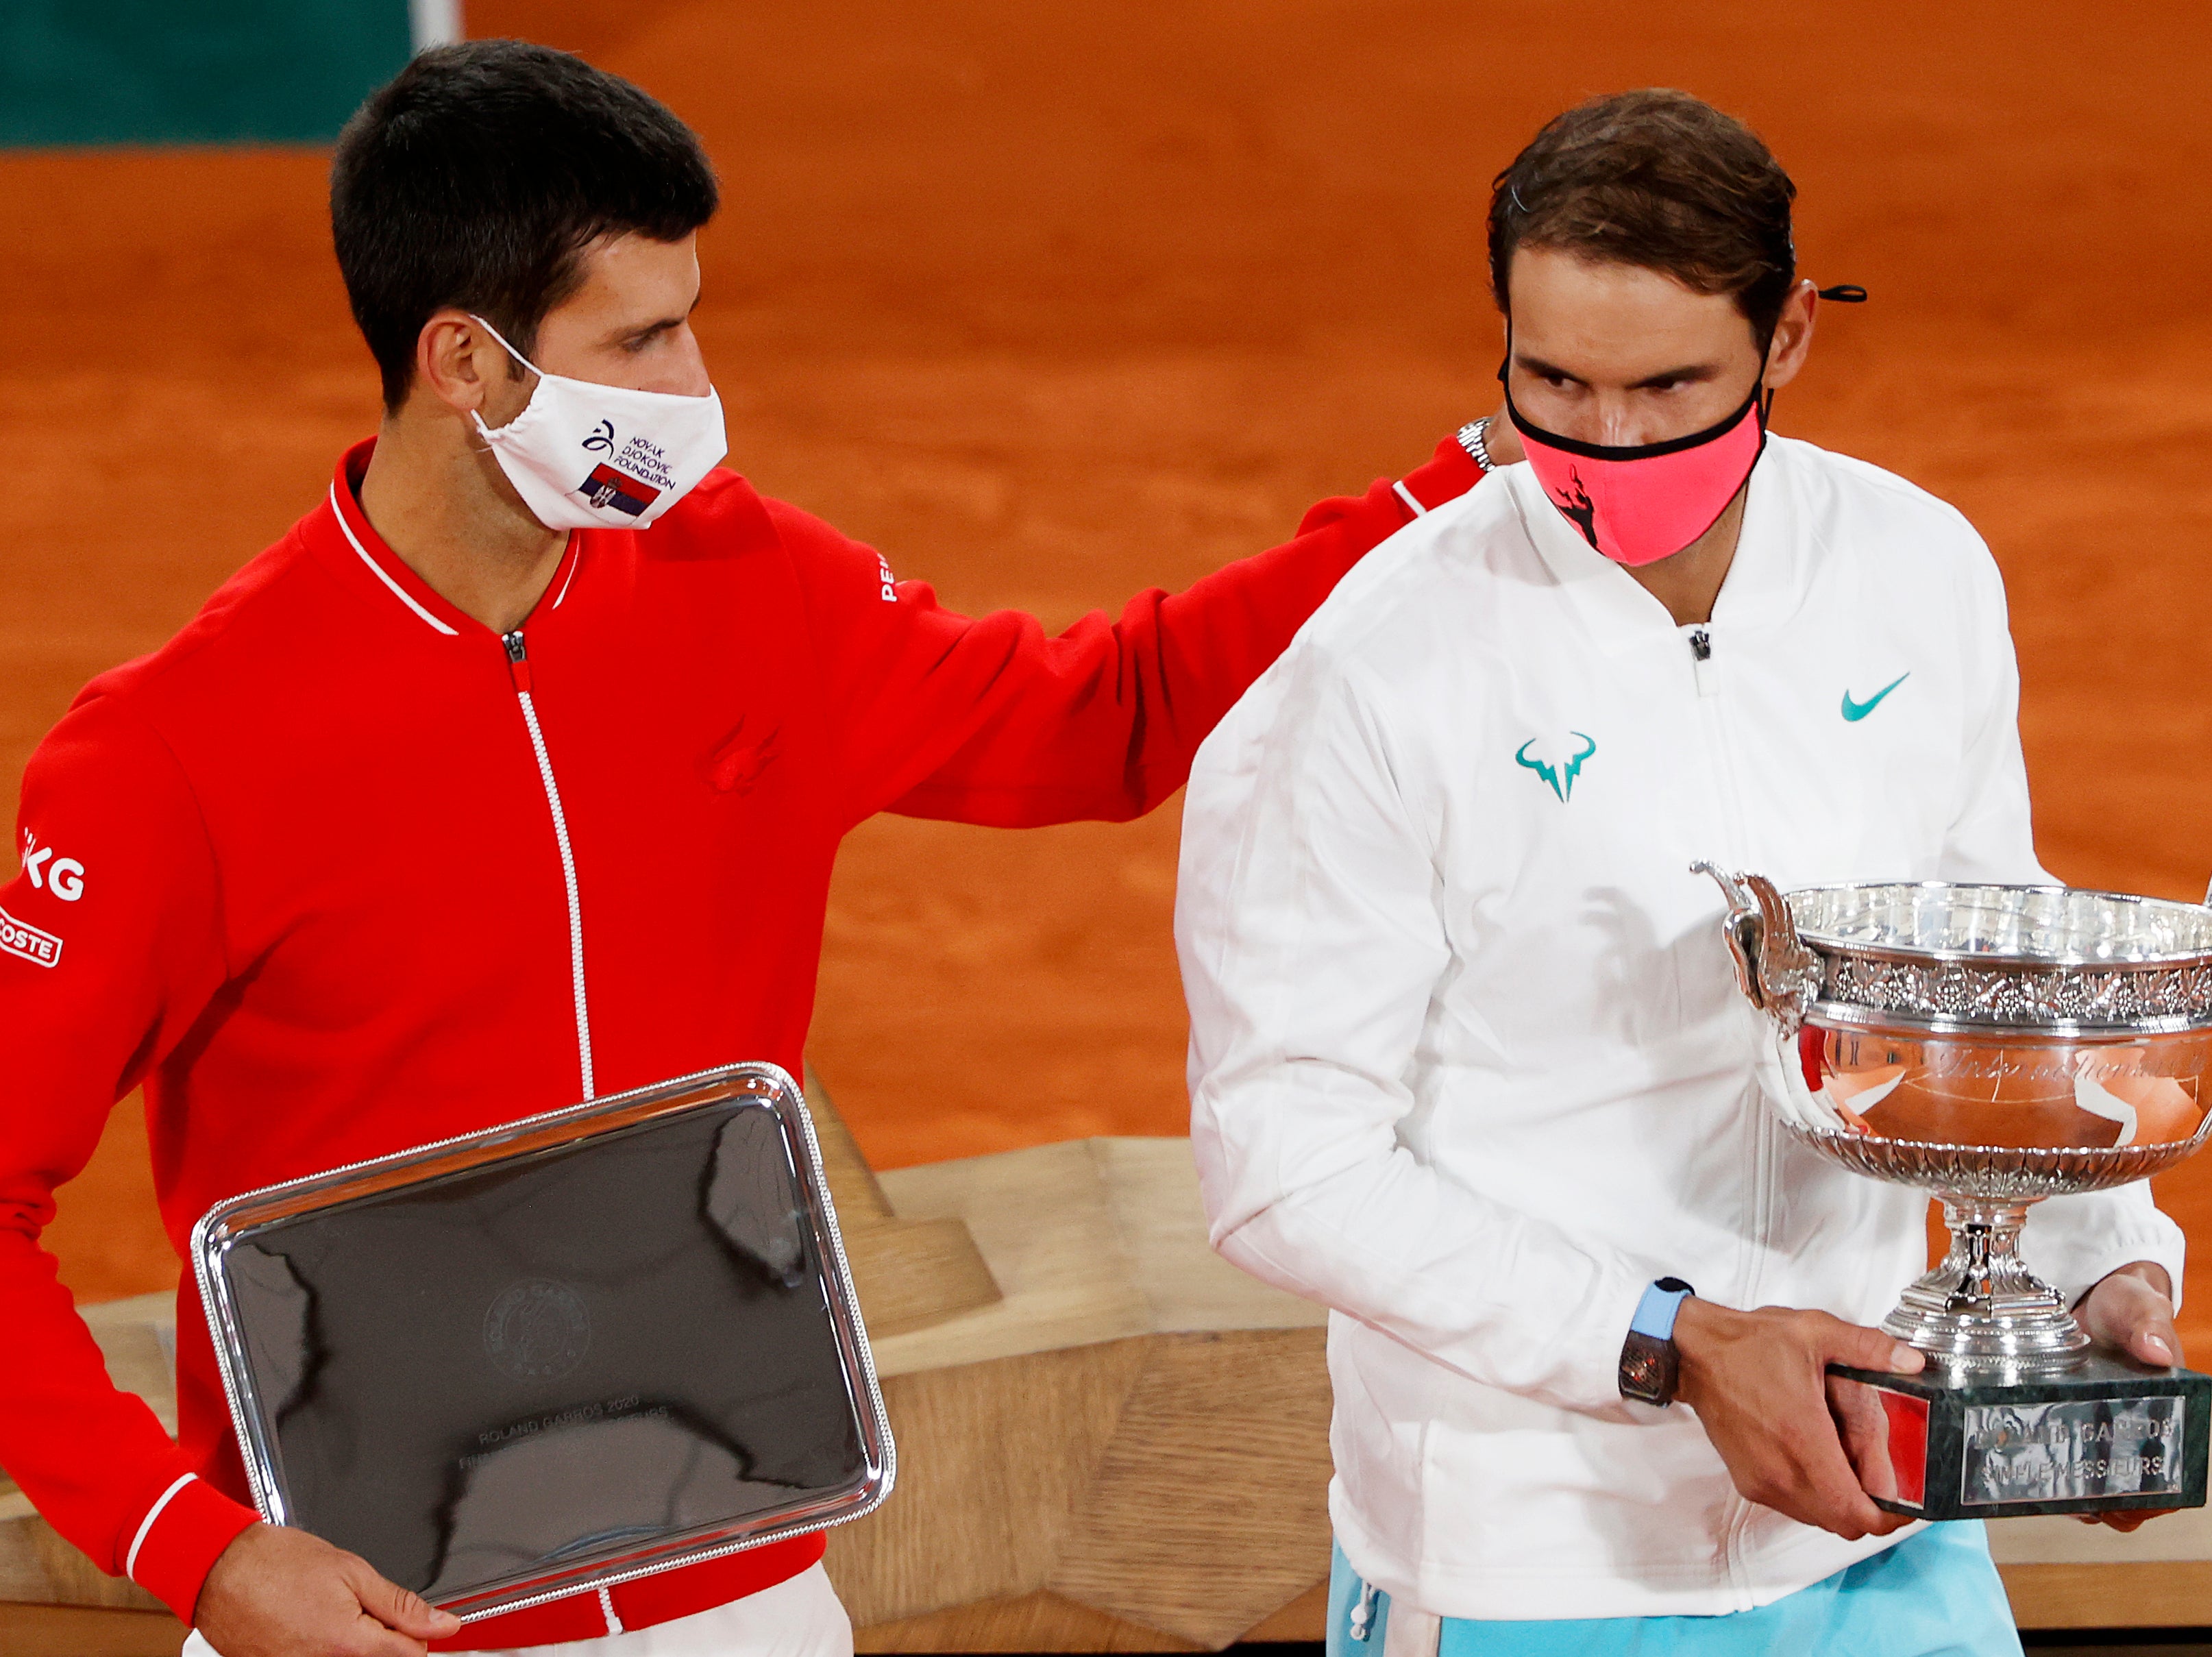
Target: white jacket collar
(1764, 584)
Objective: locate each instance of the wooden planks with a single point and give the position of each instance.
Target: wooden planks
(1121, 1448)
(136, 1337)
(909, 1273)
(2140, 1593)
(74, 1631)
(1128, 1452)
(1033, 1621)
(1209, 1511)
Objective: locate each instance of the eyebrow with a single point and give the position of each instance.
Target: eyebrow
(640, 336)
(1543, 370)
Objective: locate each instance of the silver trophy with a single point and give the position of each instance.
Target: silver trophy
(1994, 1046)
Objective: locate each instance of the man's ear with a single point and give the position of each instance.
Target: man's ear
(1793, 336)
(458, 362)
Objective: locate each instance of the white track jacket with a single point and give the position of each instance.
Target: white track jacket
(1468, 1061)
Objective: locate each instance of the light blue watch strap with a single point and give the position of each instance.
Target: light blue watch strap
(1655, 1312)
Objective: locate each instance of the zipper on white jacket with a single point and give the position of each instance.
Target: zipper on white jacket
(1712, 717)
(517, 667)
(1701, 656)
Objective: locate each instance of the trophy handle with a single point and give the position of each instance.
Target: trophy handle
(1776, 972)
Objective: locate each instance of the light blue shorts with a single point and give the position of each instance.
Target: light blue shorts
(1935, 1594)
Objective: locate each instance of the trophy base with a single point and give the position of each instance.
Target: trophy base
(2106, 1434)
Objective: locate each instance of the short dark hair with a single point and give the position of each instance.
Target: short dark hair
(1656, 179)
(477, 177)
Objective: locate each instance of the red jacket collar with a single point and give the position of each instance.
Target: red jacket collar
(341, 531)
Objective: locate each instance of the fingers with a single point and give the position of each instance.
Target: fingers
(2126, 1519)
(1758, 1383)
(1812, 1478)
(1863, 1426)
(2151, 1336)
(2129, 1311)
(1860, 1348)
(1843, 1451)
(2154, 1346)
(1814, 1483)
(401, 1610)
(373, 1639)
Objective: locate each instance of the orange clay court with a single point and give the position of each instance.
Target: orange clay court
(989, 273)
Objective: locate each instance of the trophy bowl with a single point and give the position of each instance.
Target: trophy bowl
(1994, 1046)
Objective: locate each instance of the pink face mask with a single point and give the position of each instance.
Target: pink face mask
(1638, 503)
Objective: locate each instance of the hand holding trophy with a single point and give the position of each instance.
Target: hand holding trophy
(1995, 1046)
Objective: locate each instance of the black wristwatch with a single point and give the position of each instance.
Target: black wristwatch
(1649, 1365)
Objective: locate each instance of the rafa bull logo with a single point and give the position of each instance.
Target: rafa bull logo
(1560, 778)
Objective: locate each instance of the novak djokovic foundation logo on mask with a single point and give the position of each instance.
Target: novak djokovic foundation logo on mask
(584, 456)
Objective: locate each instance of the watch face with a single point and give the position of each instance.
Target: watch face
(1648, 1369)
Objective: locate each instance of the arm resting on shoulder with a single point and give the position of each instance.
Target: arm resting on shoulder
(990, 719)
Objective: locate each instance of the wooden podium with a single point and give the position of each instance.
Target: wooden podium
(1109, 1440)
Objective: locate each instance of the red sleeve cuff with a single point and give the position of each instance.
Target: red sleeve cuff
(177, 1542)
(1450, 473)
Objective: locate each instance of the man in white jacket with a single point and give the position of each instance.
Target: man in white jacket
(1468, 1061)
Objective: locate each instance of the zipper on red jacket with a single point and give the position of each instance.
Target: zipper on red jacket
(517, 667)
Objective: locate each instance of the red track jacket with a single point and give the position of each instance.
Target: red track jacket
(337, 871)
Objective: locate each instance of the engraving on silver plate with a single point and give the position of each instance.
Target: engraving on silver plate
(537, 1330)
(2070, 1449)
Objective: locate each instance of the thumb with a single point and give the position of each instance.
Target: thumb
(1871, 1349)
(399, 1609)
(2153, 1344)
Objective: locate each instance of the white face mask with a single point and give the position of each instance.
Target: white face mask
(584, 456)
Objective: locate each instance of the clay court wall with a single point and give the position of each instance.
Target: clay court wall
(1052, 303)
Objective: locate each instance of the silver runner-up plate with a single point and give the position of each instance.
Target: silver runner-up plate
(557, 1355)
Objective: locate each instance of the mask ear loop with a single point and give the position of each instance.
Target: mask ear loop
(1844, 293)
(503, 345)
(482, 430)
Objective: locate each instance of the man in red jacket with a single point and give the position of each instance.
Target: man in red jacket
(511, 775)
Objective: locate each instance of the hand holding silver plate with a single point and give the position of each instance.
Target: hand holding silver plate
(1994, 1046)
(557, 1355)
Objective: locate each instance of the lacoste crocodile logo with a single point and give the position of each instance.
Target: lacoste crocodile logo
(1561, 778)
(1855, 712)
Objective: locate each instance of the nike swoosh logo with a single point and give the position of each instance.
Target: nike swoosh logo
(1856, 711)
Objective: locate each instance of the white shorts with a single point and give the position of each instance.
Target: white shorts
(799, 1617)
